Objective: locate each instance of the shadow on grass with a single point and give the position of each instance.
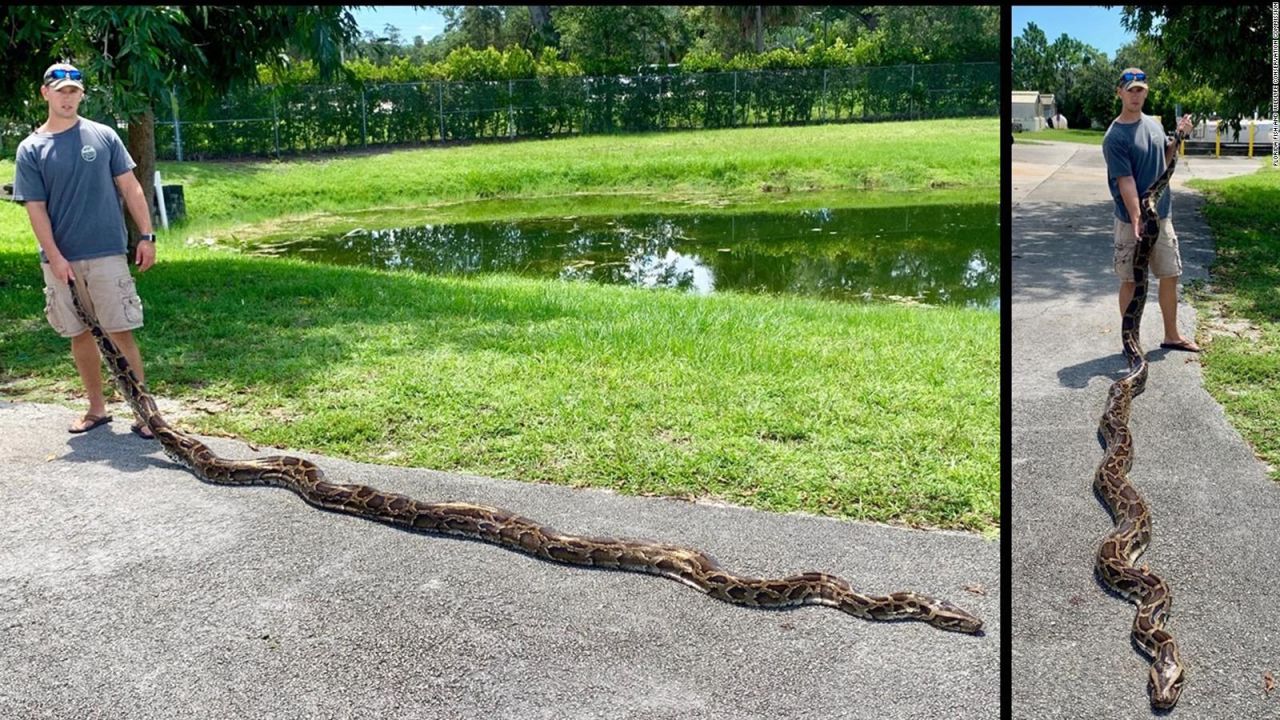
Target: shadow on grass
(667, 394)
(246, 322)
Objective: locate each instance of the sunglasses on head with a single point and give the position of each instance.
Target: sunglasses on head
(1131, 76)
(63, 74)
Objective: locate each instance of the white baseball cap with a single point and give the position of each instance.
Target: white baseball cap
(60, 75)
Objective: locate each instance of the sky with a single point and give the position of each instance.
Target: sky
(410, 21)
(1090, 24)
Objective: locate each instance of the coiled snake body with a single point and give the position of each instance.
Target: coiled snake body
(506, 529)
(1132, 531)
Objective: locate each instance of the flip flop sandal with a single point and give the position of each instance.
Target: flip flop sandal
(1185, 347)
(93, 420)
(137, 430)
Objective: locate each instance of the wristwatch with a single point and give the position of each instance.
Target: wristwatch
(146, 237)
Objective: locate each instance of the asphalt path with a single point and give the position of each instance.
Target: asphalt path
(130, 589)
(1214, 510)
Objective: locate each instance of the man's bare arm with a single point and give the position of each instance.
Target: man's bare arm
(38, 213)
(1129, 196)
(134, 199)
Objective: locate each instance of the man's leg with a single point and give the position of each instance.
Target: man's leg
(89, 364)
(125, 342)
(1127, 289)
(1166, 264)
(1169, 312)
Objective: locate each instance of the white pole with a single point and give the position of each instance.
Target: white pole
(164, 215)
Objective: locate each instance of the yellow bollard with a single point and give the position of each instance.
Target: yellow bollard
(1217, 140)
(1251, 127)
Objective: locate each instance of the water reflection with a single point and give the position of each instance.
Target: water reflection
(943, 254)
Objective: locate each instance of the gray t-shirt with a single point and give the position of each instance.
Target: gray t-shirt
(1136, 149)
(74, 173)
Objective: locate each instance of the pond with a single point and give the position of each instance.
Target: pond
(936, 254)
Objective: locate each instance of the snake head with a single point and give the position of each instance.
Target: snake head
(945, 616)
(1166, 679)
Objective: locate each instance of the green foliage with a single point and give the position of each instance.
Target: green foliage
(511, 91)
(699, 61)
(298, 72)
(1083, 81)
(1032, 66)
(935, 34)
(782, 59)
(518, 63)
(1201, 101)
(136, 53)
(1093, 96)
(611, 39)
(551, 66)
(865, 35)
(475, 26)
(398, 70)
(867, 52)
(1223, 47)
(468, 64)
(837, 54)
(394, 107)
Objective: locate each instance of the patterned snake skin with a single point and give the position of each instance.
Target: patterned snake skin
(500, 527)
(1132, 531)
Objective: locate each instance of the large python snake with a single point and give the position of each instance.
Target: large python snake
(500, 527)
(1132, 532)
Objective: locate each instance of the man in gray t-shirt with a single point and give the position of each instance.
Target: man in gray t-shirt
(71, 174)
(1137, 152)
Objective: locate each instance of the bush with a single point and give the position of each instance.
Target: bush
(474, 94)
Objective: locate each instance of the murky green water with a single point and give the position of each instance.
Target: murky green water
(941, 254)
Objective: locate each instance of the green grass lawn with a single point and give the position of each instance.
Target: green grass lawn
(1087, 137)
(875, 412)
(1240, 307)
(694, 169)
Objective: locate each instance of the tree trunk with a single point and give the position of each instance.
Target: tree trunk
(142, 148)
(759, 29)
(540, 16)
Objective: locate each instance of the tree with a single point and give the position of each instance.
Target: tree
(544, 31)
(136, 55)
(1032, 68)
(611, 39)
(473, 26)
(843, 19)
(1224, 47)
(1093, 96)
(1067, 58)
(748, 23)
(375, 49)
(947, 33)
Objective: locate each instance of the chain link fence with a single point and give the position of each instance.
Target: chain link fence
(287, 120)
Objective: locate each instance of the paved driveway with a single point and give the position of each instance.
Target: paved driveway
(129, 589)
(1214, 510)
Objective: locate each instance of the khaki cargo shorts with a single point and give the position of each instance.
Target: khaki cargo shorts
(1166, 260)
(111, 296)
